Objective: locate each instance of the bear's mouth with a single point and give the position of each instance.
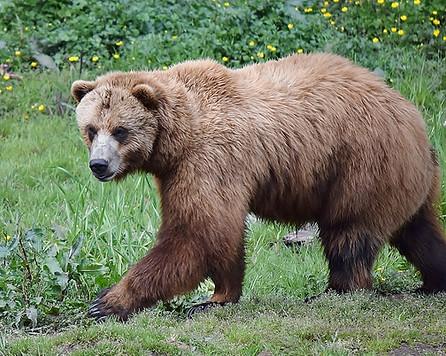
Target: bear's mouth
(104, 177)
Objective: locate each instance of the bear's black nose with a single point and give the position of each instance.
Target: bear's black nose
(98, 166)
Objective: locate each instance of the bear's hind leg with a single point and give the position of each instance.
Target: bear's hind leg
(422, 242)
(351, 253)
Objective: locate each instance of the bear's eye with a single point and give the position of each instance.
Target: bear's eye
(120, 134)
(91, 132)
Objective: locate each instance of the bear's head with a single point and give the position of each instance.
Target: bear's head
(119, 124)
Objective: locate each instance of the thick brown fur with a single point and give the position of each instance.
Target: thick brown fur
(305, 138)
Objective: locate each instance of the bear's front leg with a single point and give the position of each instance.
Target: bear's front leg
(177, 264)
(185, 254)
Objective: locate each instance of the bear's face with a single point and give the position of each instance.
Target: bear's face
(118, 125)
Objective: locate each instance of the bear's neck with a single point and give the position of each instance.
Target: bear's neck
(175, 118)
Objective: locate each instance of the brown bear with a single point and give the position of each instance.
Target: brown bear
(308, 138)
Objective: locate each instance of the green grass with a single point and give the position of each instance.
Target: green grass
(332, 324)
(64, 236)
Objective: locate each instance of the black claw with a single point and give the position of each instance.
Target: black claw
(202, 307)
(100, 311)
(94, 312)
(101, 319)
(311, 299)
(95, 309)
(95, 304)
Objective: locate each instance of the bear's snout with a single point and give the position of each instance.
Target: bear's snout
(105, 159)
(99, 167)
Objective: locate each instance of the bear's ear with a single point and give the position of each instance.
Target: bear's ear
(149, 96)
(80, 88)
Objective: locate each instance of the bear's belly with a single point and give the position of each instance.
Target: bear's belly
(285, 207)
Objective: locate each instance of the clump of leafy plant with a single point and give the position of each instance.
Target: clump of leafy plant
(38, 268)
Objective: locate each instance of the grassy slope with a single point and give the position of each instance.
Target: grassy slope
(120, 221)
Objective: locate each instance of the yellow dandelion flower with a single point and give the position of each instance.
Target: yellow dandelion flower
(116, 56)
(308, 10)
(401, 32)
(300, 50)
(9, 88)
(18, 53)
(94, 59)
(165, 68)
(7, 237)
(260, 54)
(444, 38)
(357, 2)
(394, 5)
(73, 59)
(41, 108)
(403, 18)
(385, 31)
(375, 40)
(434, 12)
(416, 2)
(380, 2)
(269, 46)
(326, 3)
(225, 59)
(327, 15)
(174, 37)
(344, 9)
(34, 64)
(226, 4)
(393, 29)
(6, 77)
(251, 44)
(436, 22)
(436, 32)
(323, 10)
(119, 43)
(332, 22)
(336, 1)
(290, 26)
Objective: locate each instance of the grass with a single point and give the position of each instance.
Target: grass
(64, 236)
(332, 324)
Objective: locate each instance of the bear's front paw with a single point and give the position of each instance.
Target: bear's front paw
(203, 307)
(108, 303)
